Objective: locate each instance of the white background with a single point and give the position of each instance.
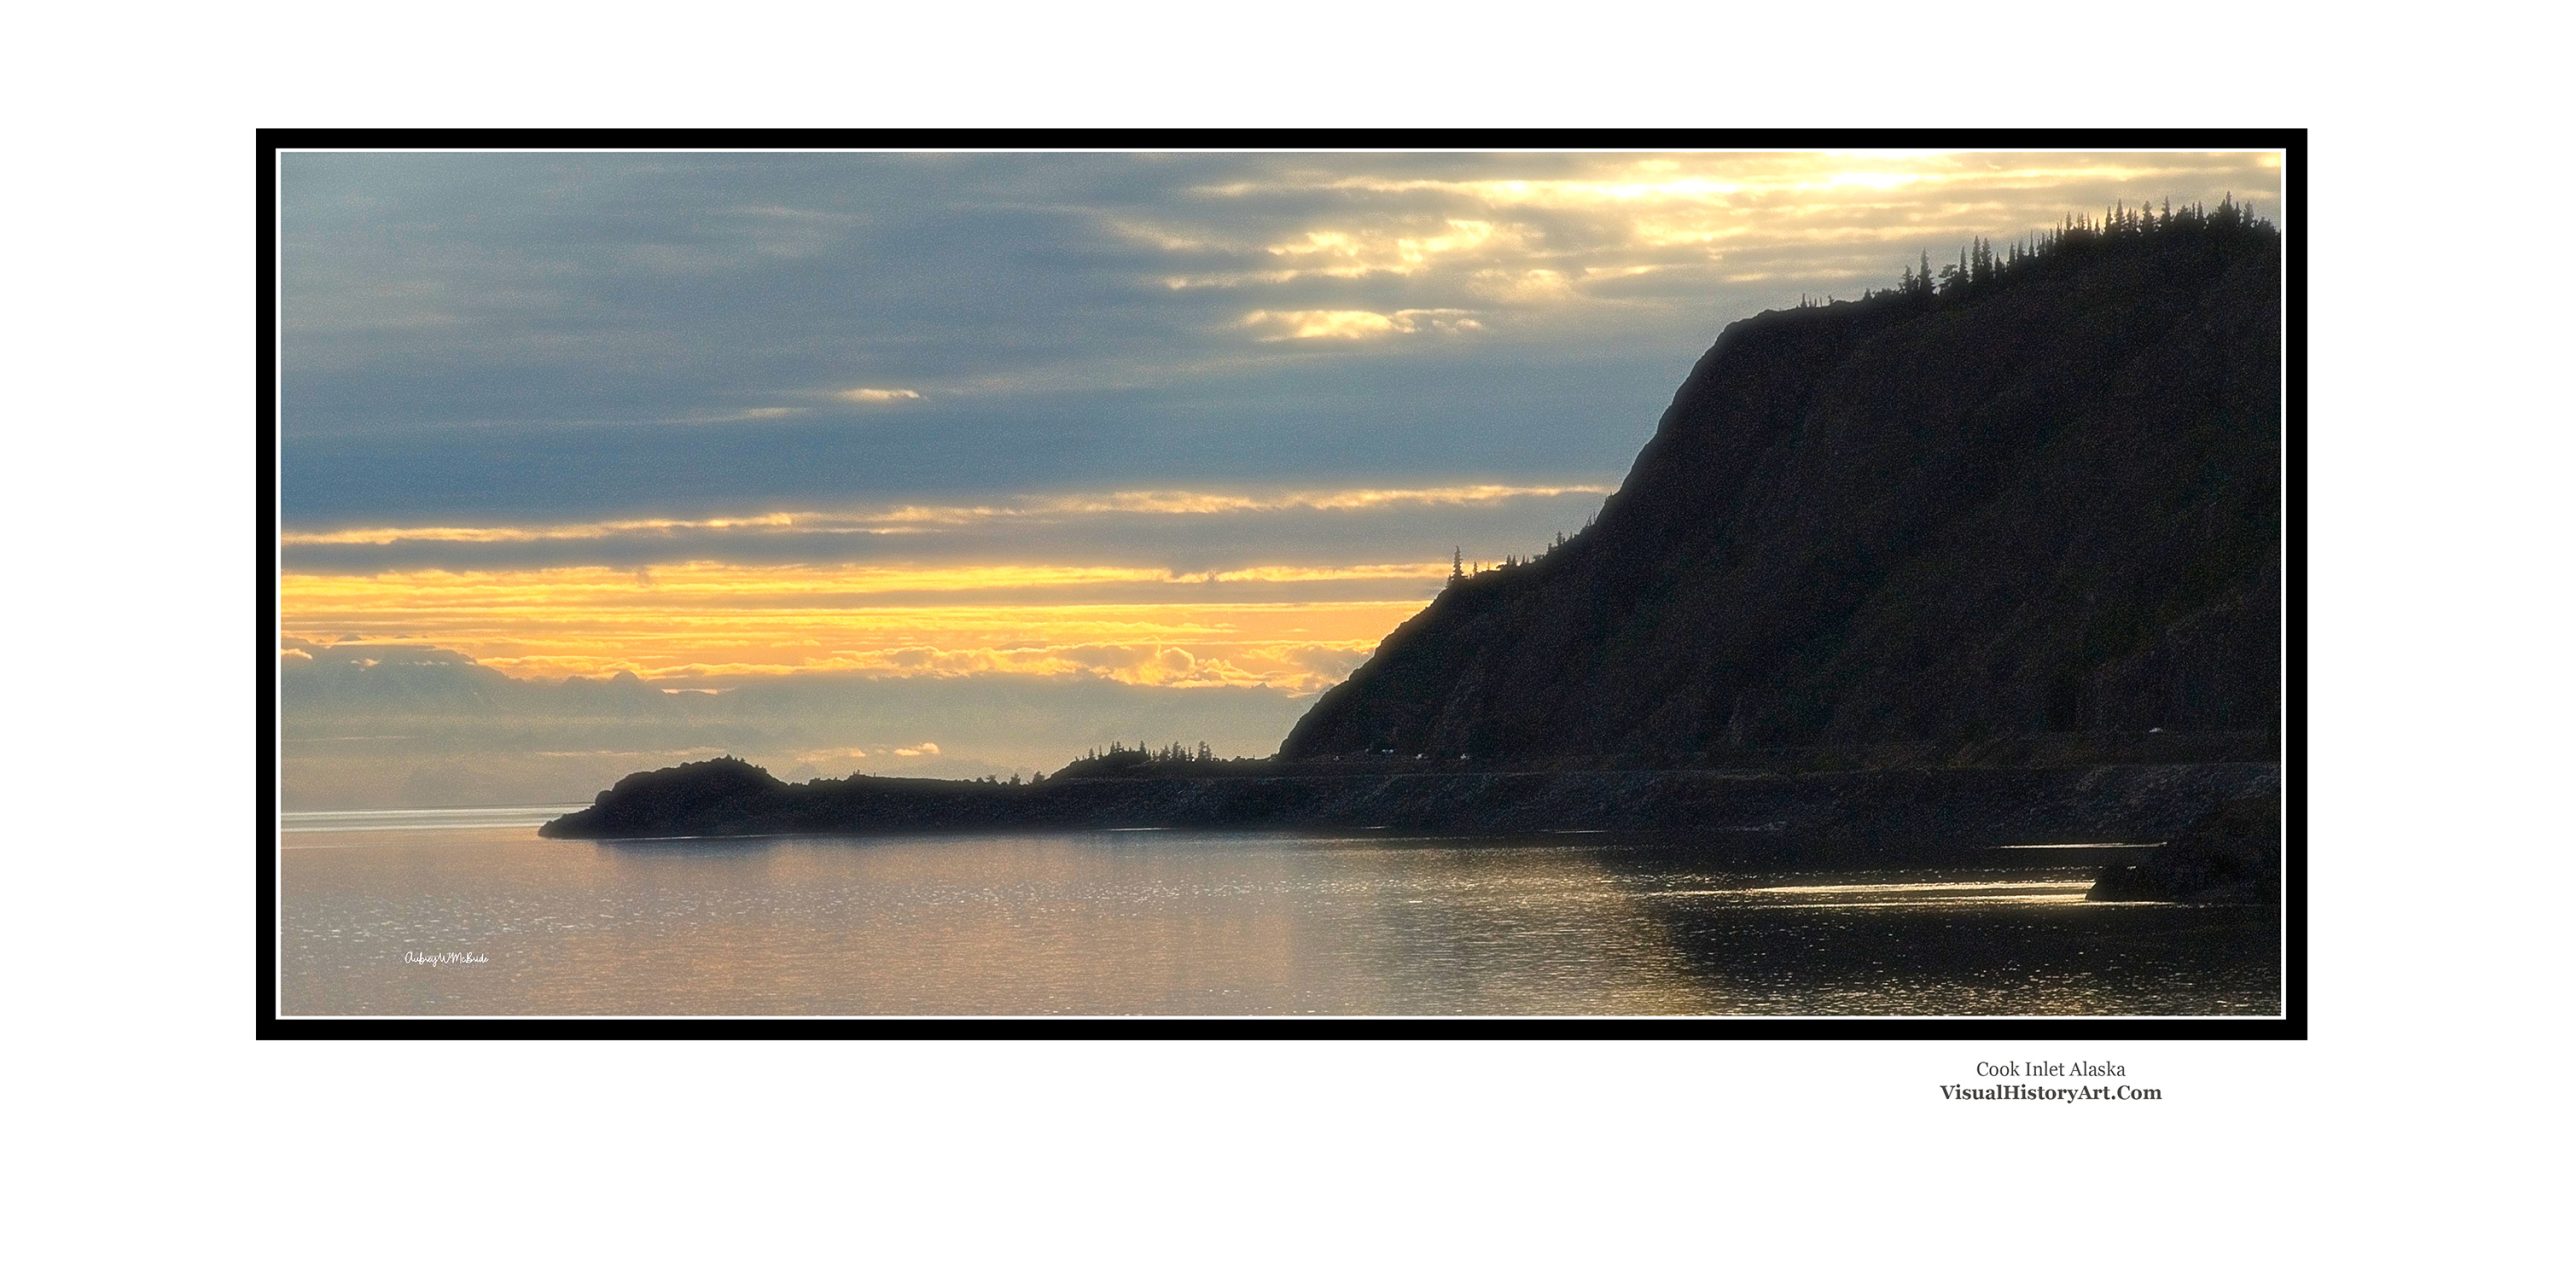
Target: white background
(153, 1133)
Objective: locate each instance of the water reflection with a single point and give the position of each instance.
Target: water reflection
(1184, 924)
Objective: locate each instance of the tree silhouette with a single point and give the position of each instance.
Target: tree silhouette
(1979, 269)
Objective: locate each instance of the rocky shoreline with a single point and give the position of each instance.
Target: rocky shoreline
(2230, 856)
(1941, 808)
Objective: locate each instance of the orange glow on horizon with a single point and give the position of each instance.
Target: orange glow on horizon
(703, 621)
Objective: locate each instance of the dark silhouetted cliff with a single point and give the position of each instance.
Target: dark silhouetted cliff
(2043, 504)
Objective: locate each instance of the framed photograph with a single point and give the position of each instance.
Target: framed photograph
(1666, 584)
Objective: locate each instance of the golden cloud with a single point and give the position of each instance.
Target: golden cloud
(1526, 242)
(894, 519)
(1353, 326)
(701, 622)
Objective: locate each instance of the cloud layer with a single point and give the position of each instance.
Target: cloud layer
(470, 338)
(1177, 426)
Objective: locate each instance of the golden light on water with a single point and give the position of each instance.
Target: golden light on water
(1916, 893)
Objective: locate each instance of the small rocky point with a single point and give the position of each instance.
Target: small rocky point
(2232, 856)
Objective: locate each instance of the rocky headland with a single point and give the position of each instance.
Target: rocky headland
(1994, 560)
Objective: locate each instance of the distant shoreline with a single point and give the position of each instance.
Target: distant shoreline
(1912, 807)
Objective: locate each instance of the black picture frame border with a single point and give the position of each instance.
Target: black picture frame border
(2292, 1024)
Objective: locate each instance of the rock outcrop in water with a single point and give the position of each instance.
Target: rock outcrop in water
(2048, 504)
(2231, 856)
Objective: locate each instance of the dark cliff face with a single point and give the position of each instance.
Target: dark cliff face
(2048, 506)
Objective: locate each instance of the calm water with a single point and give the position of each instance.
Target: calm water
(1184, 923)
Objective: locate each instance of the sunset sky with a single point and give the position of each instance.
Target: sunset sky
(957, 464)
